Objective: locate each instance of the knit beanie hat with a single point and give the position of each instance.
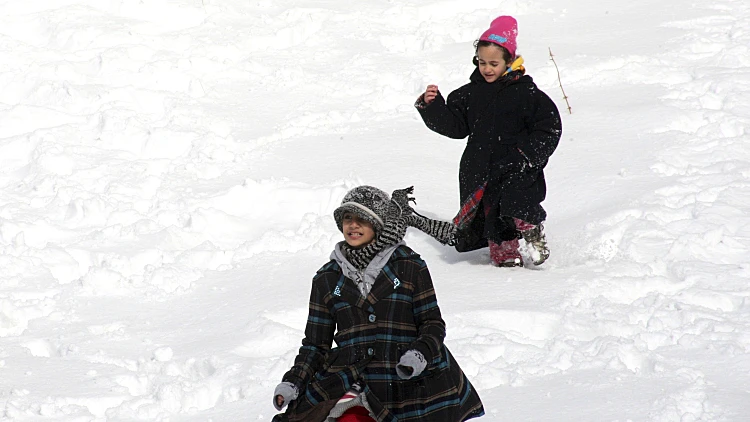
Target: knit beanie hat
(369, 203)
(503, 32)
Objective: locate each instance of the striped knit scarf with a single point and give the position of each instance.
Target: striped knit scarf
(395, 230)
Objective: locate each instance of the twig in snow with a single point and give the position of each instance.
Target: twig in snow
(552, 57)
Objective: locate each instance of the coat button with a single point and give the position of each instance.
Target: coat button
(370, 351)
(372, 318)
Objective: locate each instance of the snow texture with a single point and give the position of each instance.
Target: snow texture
(169, 169)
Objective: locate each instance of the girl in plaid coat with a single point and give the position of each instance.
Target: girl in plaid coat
(376, 301)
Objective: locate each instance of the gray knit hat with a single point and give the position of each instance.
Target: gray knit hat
(369, 203)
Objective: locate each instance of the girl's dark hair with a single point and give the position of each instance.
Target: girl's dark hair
(481, 43)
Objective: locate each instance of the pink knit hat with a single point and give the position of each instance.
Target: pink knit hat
(503, 32)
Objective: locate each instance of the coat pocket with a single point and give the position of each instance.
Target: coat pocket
(333, 361)
(419, 396)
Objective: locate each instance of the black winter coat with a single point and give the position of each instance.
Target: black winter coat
(513, 129)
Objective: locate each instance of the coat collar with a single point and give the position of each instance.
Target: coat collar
(516, 74)
(381, 278)
(385, 285)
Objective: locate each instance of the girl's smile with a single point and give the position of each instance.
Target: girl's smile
(357, 231)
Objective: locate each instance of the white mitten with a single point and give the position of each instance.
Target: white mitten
(288, 391)
(412, 364)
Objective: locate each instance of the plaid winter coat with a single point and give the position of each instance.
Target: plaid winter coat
(510, 123)
(399, 314)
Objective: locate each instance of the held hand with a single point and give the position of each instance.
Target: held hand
(284, 393)
(412, 364)
(430, 93)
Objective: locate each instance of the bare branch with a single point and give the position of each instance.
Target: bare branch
(565, 97)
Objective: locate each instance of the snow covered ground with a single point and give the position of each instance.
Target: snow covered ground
(168, 169)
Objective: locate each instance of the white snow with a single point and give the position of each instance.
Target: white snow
(168, 169)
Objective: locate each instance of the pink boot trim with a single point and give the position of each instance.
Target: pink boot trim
(505, 251)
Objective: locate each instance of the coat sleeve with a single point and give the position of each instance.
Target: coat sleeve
(545, 129)
(430, 324)
(317, 341)
(448, 119)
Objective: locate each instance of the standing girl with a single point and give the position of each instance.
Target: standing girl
(513, 129)
(375, 299)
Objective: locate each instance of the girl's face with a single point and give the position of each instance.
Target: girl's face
(492, 64)
(357, 232)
